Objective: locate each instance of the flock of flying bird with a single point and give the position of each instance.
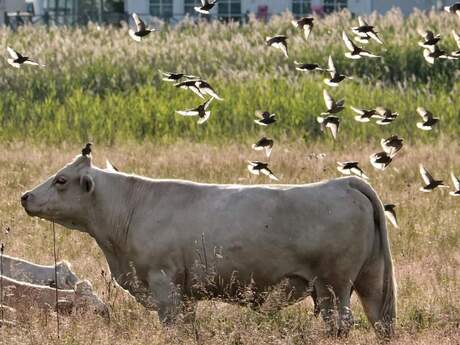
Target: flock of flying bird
(329, 119)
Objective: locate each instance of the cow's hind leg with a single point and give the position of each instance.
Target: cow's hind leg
(334, 306)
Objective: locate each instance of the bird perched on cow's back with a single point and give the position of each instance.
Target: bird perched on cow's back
(279, 42)
(86, 151)
(141, 30)
(17, 59)
(305, 24)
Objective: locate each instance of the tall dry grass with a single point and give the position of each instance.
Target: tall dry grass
(103, 86)
(425, 248)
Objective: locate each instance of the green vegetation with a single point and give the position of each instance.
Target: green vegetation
(101, 85)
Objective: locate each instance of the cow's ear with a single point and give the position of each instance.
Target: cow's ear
(87, 183)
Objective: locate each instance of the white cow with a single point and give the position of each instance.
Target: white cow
(168, 239)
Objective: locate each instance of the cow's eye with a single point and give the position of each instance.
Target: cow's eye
(60, 180)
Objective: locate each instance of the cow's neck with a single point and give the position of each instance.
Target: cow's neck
(111, 213)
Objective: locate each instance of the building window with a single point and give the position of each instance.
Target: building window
(300, 7)
(229, 9)
(189, 7)
(161, 8)
(334, 5)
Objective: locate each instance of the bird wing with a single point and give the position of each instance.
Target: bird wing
(374, 36)
(356, 110)
(328, 99)
(331, 66)
(189, 112)
(425, 114)
(30, 62)
(140, 25)
(203, 2)
(362, 22)
(455, 181)
(348, 43)
(260, 114)
(307, 30)
(334, 128)
(426, 176)
(456, 37)
(14, 54)
(207, 103)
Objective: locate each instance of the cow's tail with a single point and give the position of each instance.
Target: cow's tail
(387, 312)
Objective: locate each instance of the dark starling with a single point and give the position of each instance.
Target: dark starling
(199, 111)
(430, 182)
(355, 52)
(17, 59)
(86, 150)
(256, 167)
(141, 29)
(305, 24)
(279, 42)
(205, 7)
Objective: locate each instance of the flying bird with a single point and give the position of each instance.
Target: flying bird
(175, 77)
(205, 7)
(256, 167)
(429, 39)
(457, 40)
(364, 115)
(385, 116)
(278, 42)
(336, 77)
(200, 111)
(332, 122)
(456, 183)
(206, 89)
(365, 31)
(433, 52)
(355, 52)
(380, 160)
(430, 182)
(264, 144)
(265, 118)
(86, 151)
(305, 24)
(428, 120)
(332, 106)
(17, 59)
(390, 213)
(392, 145)
(199, 87)
(455, 8)
(141, 29)
(306, 67)
(351, 168)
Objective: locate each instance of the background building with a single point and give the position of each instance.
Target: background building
(113, 11)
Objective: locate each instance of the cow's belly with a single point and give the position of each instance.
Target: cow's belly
(266, 236)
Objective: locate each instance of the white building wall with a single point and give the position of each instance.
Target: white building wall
(137, 6)
(274, 6)
(360, 6)
(406, 6)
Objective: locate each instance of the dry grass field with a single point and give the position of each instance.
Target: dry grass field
(426, 248)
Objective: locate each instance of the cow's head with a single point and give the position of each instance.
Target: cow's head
(65, 197)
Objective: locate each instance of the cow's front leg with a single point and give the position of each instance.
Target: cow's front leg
(167, 297)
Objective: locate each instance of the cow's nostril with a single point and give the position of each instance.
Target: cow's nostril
(25, 196)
